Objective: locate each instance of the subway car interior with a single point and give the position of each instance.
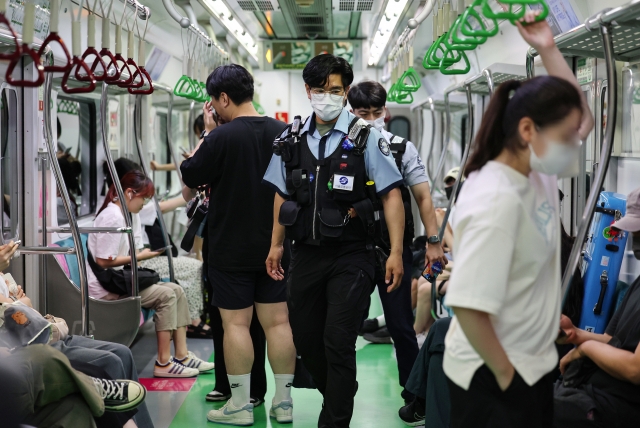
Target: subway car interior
(73, 105)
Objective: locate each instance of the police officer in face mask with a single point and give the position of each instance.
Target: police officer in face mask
(631, 221)
(326, 176)
(367, 100)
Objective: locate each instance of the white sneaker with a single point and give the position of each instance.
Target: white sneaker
(231, 415)
(194, 362)
(283, 412)
(174, 369)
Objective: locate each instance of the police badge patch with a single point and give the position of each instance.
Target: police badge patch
(384, 146)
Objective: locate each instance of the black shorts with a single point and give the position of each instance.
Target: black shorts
(234, 290)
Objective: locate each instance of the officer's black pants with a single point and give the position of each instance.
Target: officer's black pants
(329, 290)
(398, 315)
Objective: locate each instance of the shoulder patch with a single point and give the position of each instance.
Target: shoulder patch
(384, 147)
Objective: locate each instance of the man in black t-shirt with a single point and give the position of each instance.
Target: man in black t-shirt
(232, 160)
(601, 383)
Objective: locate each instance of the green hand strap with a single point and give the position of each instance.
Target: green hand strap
(205, 95)
(450, 44)
(471, 15)
(433, 60)
(414, 81)
(510, 13)
(391, 96)
(184, 87)
(446, 70)
(405, 98)
(258, 107)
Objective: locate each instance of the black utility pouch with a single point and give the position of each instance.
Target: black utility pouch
(290, 153)
(300, 184)
(291, 219)
(331, 222)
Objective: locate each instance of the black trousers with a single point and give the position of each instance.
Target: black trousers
(398, 315)
(329, 290)
(485, 405)
(258, 371)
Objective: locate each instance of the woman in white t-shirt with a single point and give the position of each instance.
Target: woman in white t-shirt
(111, 251)
(505, 286)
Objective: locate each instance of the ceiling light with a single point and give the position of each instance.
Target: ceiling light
(387, 25)
(221, 12)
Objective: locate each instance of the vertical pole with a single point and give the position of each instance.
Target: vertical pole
(66, 201)
(43, 202)
(104, 102)
(605, 157)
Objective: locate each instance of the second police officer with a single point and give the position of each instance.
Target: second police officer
(326, 177)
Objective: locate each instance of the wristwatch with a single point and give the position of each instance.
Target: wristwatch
(435, 239)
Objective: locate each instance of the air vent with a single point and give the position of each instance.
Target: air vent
(364, 5)
(255, 5)
(347, 5)
(264, 5)
(307, 20)
(246, 5)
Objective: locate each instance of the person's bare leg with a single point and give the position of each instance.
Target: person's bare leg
(164, 346)
(180, 342)
(423, 309)
(274, 318)
(238, 353)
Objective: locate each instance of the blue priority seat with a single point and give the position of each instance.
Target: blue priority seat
(74, 274)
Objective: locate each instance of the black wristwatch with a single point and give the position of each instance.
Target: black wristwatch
(435, 239)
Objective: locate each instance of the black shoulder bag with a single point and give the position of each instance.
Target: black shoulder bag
(118, 281)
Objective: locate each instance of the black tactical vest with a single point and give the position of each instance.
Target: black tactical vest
(398, 146)
(323, 190)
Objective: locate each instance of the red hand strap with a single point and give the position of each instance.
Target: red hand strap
(78, 63)
(143, 74)
(26, 50)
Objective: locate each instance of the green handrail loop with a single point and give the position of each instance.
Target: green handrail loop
(510, 14)
(405, 98)
(414, 81)
(446, 70)
(205, 94)
(459, 38)
(391, 96)
(184, 87)
(450, 44)
(471, 12)
(432, 58)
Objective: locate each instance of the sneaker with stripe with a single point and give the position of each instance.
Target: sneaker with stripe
(174, 369)
(231, 415)
(193, 362)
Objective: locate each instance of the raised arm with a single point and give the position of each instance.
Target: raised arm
(540, 37)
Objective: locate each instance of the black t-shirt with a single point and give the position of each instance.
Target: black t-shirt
(624, 329)
(232, 160)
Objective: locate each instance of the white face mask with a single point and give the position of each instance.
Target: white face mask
(327, 106)
(558, 159)
(378, 123)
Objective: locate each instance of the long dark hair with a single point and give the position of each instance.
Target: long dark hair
(546, 100)
(134, 180)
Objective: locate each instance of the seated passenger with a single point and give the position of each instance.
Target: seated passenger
(601, 375)
(111, 251)
(114, 359)
(187, 271)
(40, 388)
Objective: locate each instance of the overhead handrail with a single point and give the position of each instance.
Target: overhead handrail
(104, 102)
(118, 56)
(27, 40)
(112, 70)
(143, 163)
(66, 201)
(76, 62)
(142, 72)
(169, 92)
(54, 37)
(606, 32)
(91, 50)
(17, 51)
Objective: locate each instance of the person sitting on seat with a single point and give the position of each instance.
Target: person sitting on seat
(111, 251)
(41, 388)
(114, 359)
(601, 375)
(187, 270)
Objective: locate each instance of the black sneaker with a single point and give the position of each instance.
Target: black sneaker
(369, 326)
(120, 395)
(412, 414)
(217, 396)
(379, 336)
(257, 402)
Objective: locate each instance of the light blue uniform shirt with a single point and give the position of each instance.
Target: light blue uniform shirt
(381, 167)
(413, 169)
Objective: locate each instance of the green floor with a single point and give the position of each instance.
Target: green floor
(376, 404)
